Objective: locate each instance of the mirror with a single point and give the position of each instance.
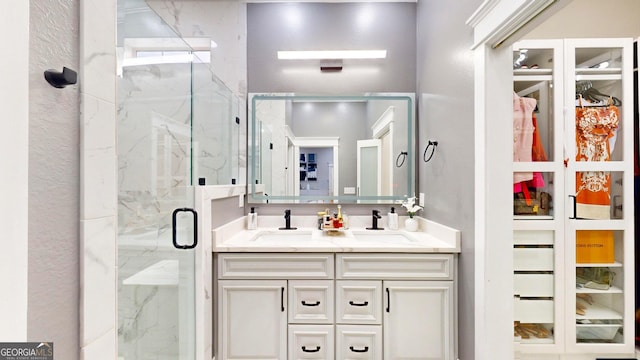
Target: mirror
(331, 149)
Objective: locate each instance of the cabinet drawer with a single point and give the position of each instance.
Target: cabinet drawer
(311, 342)
(533, 237)
(533, 285)
(311, 301)
(533, 311)
(358, 302)
(395, 266)
(533, 259)
(358, 342)
(275, 266)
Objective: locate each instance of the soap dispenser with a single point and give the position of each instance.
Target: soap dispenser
(392, 219)
(252, 219)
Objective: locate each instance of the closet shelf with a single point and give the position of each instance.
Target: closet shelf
(611, 290)
(532, 71)
(596, 311)
(614, 264)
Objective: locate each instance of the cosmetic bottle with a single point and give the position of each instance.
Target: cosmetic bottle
(392, 219)
(252, 219)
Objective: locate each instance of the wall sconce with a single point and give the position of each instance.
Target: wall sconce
(331, 60)
(330, 65)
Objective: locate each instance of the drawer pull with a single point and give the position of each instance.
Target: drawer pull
(366, 348)
(358, 304)
(304, 348)
(310, 304)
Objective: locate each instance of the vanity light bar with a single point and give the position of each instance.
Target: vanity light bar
(332, 54)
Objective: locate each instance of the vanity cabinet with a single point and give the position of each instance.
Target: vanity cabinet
(253, 319)
(573, 234)
(342, 306)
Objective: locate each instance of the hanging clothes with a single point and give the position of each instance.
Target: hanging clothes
(595, 129)
(523, 129)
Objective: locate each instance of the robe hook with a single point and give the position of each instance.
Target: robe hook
(59, 79)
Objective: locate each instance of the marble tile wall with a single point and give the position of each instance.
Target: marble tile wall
(98, 171)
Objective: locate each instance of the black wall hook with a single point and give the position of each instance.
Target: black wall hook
(61, 79)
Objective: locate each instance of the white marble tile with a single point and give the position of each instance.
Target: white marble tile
(102, 348)
(98, 183)
(97, 74)
(98, 123)
(98, 278)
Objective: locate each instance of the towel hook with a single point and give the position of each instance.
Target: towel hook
(433, 145)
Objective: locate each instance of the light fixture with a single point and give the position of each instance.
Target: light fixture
(331, 65)
(332, 54)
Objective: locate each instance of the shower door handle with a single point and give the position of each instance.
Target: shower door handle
(174, 228)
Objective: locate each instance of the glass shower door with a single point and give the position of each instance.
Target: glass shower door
(157, 228)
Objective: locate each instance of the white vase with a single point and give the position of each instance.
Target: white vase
(411, 224)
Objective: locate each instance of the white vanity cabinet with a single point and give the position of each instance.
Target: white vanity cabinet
(418, 303)
(335, 306)
(253, 319)
(418, 320)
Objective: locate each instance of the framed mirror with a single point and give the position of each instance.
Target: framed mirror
(331, 149)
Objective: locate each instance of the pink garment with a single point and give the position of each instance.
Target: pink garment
(522, 134)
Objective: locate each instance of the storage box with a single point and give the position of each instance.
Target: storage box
(594, 246)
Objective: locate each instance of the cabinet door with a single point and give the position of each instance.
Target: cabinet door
(418, 320)
(253, 319)
(600, 289)
(538, 194)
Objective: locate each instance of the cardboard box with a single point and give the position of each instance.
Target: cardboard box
(594, 246)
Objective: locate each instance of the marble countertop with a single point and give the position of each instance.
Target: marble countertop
(431, 237)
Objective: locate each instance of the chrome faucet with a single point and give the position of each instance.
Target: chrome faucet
(287, 221)
(375, 215)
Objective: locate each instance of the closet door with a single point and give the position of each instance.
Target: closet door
(599, 201)
(538, 214)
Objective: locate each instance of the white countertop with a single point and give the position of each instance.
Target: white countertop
(431, 238)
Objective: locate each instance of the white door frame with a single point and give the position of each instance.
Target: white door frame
(494, 24)
(317, 142)
(385, 125)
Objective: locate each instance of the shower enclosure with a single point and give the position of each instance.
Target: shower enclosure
(177, 128)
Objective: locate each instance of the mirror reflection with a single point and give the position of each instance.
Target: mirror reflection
(317, 149)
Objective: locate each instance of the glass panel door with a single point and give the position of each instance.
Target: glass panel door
(600, 179)
(538, 183)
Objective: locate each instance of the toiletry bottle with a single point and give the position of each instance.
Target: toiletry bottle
(252, 219)
(392, 218)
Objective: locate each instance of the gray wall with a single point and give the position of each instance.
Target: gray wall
(445, 109)
(330, 26)
(54, 167)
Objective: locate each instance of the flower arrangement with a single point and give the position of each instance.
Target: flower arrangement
(410, 205)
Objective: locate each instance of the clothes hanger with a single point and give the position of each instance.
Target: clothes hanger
(592, 94)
